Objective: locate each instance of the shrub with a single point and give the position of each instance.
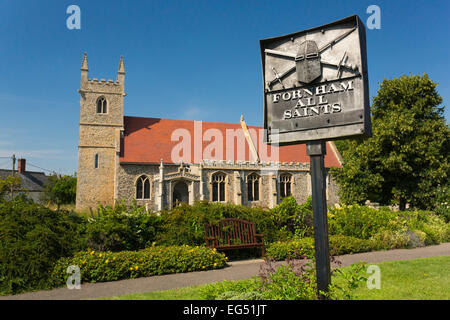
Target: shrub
(338, 245)
(292, 218)
(442, 203)
(32, 239)
(293, 249)
(360, 221)
(434, 227)
(390, 229)
(60, 190)
(293, 281)
(185, 224)
(388, 239)
(110, 266)
(235, 295)
(346, 281)
(122, 228)
(224, 290)
(303, 221)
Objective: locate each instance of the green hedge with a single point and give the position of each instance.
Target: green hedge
(110, 266)
(338, 245)
(294, 249)
(360, 221)
(185, 224)
(122, 228)
(32, 239)
(392, 229)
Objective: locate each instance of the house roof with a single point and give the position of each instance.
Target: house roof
(30, 180)
(148, 140)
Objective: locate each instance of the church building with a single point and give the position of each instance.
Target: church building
(163, 162)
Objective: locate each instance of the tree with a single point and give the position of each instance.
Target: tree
(60, 190)
(407, 158)
(8, 184)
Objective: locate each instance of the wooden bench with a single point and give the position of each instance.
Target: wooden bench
(233, 233)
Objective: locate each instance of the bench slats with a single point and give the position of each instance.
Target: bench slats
(232, 233)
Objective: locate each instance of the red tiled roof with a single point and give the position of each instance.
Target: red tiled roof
(148, 140)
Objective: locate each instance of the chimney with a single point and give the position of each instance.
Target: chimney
(21, 165)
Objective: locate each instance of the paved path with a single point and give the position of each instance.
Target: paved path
(238, 270)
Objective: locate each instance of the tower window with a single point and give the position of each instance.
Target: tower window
(96, 161)
(143, 188)
(218, 186)
(102, 105)
(285, 185)
(253, 187)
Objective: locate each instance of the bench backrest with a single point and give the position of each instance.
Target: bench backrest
(230, 231)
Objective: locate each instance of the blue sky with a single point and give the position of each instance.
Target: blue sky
(195, 60)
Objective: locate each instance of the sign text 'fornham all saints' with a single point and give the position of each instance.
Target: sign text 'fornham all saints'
(315, 84)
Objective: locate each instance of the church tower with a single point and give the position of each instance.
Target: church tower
(101, 124)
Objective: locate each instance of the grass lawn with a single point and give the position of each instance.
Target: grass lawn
(419, 279)
(187, 293)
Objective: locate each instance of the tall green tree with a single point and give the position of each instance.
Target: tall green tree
(407, 158)
(60, 190)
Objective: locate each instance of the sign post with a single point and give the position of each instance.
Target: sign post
(316, 89)
(317, 150)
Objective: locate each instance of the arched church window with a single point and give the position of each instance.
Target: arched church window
(285, 185)
(253, 187)
(102, 105)
(143, 188)
(218, 186)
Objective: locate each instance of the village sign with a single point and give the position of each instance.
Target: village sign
(315, 84)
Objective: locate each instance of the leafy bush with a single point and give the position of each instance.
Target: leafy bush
(441, 203)
(32, 239)
(360, 221)
(110, 266)
(60, 190)
(224, 290)
(346, 281)
(235, 295)
(185, 224)
(10, 182)
(293, 249)
(122, 228)
(303, 221)
(293, 281)
(388, 239)
(292, 218)
(434, 227)
(391, 229)
(338, 245)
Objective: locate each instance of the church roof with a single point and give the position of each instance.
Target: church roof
(148, 140)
